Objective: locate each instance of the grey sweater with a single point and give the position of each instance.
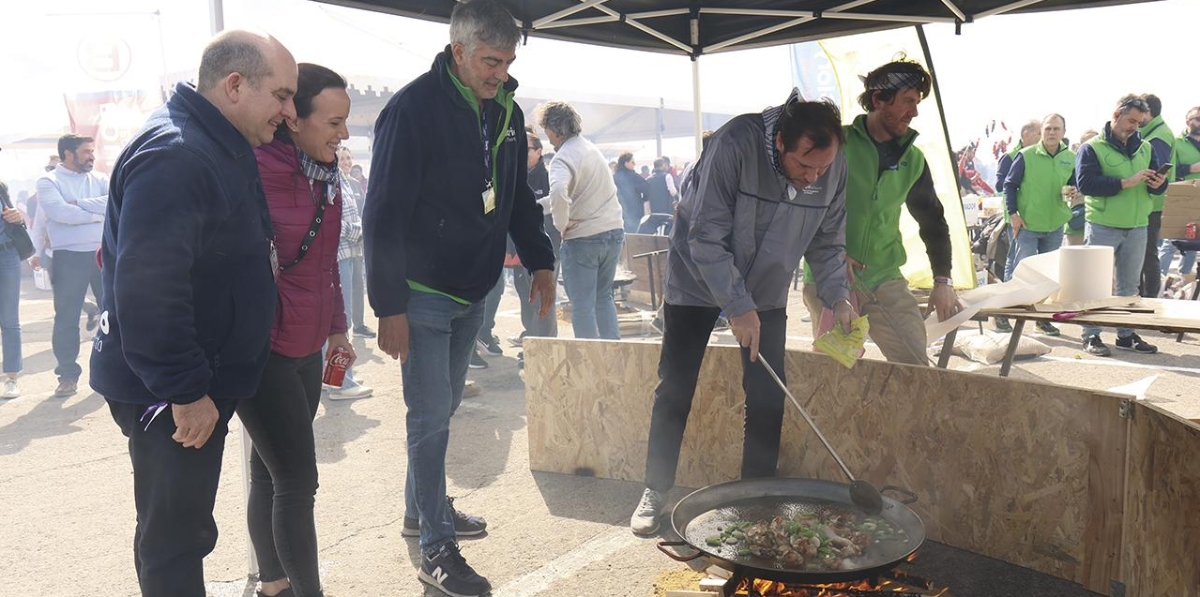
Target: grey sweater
(741, 228)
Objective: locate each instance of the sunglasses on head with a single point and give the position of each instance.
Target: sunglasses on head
(1136, 104)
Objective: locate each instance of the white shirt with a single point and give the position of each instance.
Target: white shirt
(583, 195)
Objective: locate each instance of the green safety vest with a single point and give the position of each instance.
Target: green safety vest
(1187, 153)
(1039, 198)
(1131, 207)
(1157, 129)
(873, 203)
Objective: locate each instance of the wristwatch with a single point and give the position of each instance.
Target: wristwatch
(943, 280)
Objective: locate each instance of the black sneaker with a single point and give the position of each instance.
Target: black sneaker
(1094, 346)
(491, 345)
(1000, 324)
(1135, 343)
(477, 361)
(447, 571)
(1047, 328)
(465, 525)
(363, 331)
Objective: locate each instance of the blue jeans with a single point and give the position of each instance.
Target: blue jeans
(346, 271)
(10, 300)
(441, 338)
(73, 272)
(1129, 252)
(589, 265)
(1166, 253)
(1030, 243)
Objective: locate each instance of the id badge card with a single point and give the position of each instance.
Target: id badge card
(489, 200)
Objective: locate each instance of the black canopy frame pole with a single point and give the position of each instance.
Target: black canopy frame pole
(1007, 8)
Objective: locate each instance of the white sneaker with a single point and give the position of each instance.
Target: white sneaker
(10, 389)
(645, 519)
(353, 392)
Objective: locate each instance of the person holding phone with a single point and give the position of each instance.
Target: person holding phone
(1117, 174)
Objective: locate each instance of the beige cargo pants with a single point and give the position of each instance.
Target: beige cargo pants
(895, 318)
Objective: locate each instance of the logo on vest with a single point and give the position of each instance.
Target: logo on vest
(510, 135)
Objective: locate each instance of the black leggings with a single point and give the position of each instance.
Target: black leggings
(283, 471)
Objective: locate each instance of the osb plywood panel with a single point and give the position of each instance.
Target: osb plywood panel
(636, 244)
(1162, 522)
(1024, 472)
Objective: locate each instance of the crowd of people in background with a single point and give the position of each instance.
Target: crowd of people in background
(1106, 189)
(234, 249)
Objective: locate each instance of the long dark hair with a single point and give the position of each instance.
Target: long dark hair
(311, 81)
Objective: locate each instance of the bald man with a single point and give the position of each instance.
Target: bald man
(189, 295)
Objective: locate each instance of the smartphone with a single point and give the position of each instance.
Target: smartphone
(1164, 169)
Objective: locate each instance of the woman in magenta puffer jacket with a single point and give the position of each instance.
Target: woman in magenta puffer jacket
(302, 185)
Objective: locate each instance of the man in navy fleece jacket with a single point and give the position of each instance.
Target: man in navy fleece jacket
(189, 295)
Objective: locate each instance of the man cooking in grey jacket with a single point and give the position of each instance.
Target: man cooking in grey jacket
(768, 189)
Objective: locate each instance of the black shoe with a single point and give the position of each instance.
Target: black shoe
(491, 345)
(465, 525)
(1135, 343)
(284, 593)
(477, 361)
(1094, 346)
(447, 571)
(1000, 324)
(363, 331)
(1047, 328)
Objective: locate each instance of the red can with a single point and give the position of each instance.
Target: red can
(336, 366)
(1190, 230)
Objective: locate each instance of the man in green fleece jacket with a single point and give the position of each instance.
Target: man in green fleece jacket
(887, 172)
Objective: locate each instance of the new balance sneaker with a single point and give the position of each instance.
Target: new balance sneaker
(645, 519)
(1000, 324)
(477, 361)
(465, 525)
(490, 345)
(1135, 343)
(1047, 328)
(447, 571)
(1094, 346)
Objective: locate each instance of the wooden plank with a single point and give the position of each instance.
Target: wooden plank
(1161, 546)
(1024, 472)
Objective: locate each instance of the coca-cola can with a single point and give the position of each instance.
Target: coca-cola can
(1190, 230)
(336, 366)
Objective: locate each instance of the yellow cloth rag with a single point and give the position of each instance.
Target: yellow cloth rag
(844, 347)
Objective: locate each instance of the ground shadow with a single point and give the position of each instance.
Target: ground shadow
(593, 499)
(51, 417)
(339, 425)
(481, 431)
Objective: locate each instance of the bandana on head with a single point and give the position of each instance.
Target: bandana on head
(894, 82)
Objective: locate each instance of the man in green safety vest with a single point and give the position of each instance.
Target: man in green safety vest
(1162, 143)
(1187, 167)
(1040, 183)
(1116, 174)
(888, 172)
